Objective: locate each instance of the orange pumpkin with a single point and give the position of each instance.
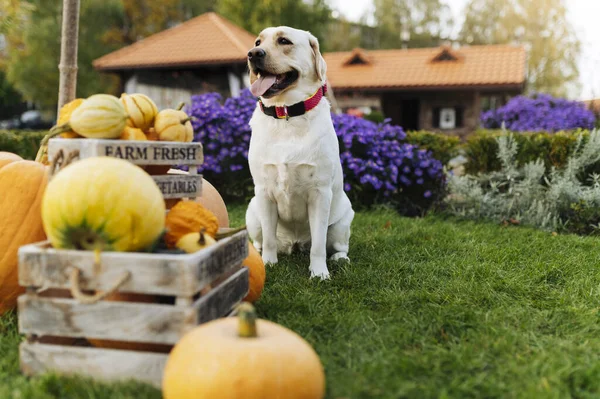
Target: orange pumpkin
(22, 184)
(8, 157)
(257, 274)
(188, 217)
(132, 133)
(243, 357)
(212, 200)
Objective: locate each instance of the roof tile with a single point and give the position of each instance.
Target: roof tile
(413, 68)
(206, 39)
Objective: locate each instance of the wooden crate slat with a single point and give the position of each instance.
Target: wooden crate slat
(102, 364)
(109, 320)
(218, 303)
(207, 269)
(179, 186)
(161, 274)
(137, 152)
(151, 274)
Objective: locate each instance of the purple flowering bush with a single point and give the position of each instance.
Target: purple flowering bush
(379, 165)
(223, 130)
(540, 112)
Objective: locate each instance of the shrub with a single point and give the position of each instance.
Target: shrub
(375, 116)
(565, 198)
(540, 112)
(379, 165)
(442, 146)
(553, 149)
(24, 143)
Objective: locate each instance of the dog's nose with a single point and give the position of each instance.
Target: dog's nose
(256, 53)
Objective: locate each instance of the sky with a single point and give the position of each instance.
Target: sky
(583, 15)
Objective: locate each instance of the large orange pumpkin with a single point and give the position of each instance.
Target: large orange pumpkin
(243, 357)
(212, 200)
(257, 274)
(22, 184)
(8, 157)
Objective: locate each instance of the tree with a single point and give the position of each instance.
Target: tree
(426, 21)
(13, 15)
(344, 35)
(11, 102)
(541, 26)
(105, 25)
(254, 16)
(32, 64)
(141, 18)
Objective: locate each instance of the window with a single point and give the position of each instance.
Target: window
(448, 117)
(490, 103)
(356, 60)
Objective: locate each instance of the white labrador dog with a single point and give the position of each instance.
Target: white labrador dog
(294, 153)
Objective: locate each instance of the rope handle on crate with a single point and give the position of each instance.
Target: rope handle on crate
(91, 299)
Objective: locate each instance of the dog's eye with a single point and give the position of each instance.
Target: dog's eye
(257, 43)
(284, 41)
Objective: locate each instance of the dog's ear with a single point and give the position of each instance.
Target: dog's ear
(319, 61)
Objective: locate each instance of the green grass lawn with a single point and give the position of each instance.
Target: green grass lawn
(427, 308)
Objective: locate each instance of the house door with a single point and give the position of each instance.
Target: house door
(403, 111)
(410, 114)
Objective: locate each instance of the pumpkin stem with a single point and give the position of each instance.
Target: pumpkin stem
(202, 240)
(247, 320)
(55, 131)
(220, 236)
(180, 106)
(186, 120)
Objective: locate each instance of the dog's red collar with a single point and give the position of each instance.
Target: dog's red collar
(297, 109)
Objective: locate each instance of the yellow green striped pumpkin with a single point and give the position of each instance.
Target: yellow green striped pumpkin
(103, 203)
(141, 109)
(100, 116)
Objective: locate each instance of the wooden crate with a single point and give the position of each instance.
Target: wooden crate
(194, 289)
(144, 153)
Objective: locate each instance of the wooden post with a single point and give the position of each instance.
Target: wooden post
(68, 53)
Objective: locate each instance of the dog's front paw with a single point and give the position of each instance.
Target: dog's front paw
(269, 257)
(319, 269)
(343, 256)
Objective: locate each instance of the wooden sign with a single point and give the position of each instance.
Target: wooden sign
(179, 186)
(136, 152)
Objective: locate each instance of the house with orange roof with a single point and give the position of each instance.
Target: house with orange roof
(440, 89)
(205, 54)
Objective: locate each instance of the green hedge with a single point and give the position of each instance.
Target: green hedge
(480, 148)
(24, 143)
(554, 149)
(443, 147)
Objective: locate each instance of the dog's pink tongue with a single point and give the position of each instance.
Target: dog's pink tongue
(262, 84)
